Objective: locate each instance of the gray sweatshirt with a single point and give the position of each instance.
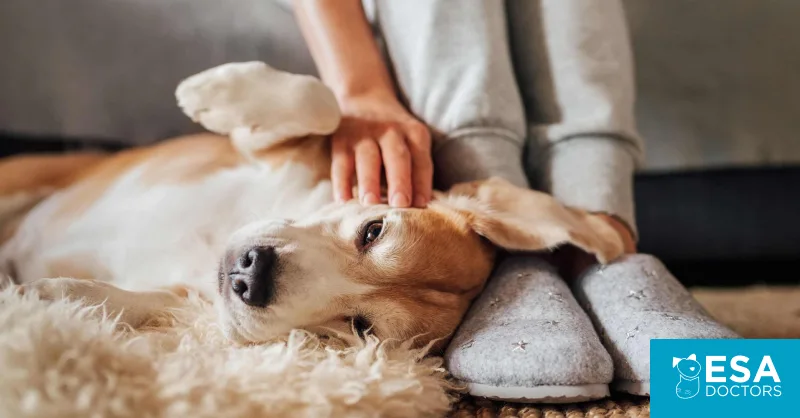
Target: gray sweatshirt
(546, 83)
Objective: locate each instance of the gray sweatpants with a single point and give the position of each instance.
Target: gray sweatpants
(547, 83)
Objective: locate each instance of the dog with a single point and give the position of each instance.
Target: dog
(688, 383)
(244, 216)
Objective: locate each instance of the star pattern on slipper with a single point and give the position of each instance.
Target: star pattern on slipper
(632, 333)
(467, 344)
(519, 345)
(637, 294)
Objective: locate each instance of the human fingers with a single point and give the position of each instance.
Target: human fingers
(342, 169)
(368, 170)
(419, 145)
(397, 163)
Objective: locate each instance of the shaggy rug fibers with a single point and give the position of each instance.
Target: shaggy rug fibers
(61, 360)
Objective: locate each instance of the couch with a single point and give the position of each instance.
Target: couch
(718, 106)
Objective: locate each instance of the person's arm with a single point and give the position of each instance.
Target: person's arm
(376, 131)
(341, 42)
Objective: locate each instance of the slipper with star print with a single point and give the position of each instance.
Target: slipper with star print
(526, 339)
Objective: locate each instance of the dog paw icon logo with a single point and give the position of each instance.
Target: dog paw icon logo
(689, 371)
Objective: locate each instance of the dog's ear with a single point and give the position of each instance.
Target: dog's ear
(525, 220)
(675, 361)
(692, 357)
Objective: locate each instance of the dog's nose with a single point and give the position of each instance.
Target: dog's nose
(252, 276)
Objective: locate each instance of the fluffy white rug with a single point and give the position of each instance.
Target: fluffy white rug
(61, 360)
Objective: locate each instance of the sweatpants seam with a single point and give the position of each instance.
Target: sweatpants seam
(485, 133)
(628, 144)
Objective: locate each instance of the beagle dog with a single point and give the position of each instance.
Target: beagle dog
(245, 217)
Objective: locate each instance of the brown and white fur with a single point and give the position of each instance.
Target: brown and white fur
(138, 229)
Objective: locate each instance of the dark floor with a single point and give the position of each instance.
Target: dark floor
(732, 273)
(723, 227)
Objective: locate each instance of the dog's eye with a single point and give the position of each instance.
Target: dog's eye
(361, 325)
(371, 233)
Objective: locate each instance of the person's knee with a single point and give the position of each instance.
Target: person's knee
(477, 154)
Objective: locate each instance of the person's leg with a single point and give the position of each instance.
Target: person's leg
(525, 337)
(573, 63)
(451, 63)
(574, 66)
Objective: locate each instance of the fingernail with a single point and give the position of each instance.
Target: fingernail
(399, 200)
(370, 199)
(420, 201)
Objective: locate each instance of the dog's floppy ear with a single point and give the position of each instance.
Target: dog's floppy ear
(526, 220)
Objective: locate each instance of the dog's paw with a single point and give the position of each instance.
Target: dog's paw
(65, 288)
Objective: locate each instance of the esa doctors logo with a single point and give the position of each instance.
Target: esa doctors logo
(689, 372)
(701, 377)
(689, 382)
(741, 381)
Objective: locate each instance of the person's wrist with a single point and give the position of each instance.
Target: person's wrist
(359, 93)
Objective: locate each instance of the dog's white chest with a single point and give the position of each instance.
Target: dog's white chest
(142, 236)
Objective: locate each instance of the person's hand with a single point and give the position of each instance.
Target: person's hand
(572, 262)
(377, 133)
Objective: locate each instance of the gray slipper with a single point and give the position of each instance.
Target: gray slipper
(526, 339)
(634, 300)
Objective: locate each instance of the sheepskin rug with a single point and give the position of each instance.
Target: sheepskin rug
(62, 360)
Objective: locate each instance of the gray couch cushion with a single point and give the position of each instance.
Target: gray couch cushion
(717, 81)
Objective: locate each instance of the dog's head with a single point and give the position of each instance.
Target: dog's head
(397, 273)
(688, 367)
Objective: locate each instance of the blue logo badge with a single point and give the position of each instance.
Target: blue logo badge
(689, 372)
(701, 378)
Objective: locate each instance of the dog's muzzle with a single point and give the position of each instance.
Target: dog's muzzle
(251, 275)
